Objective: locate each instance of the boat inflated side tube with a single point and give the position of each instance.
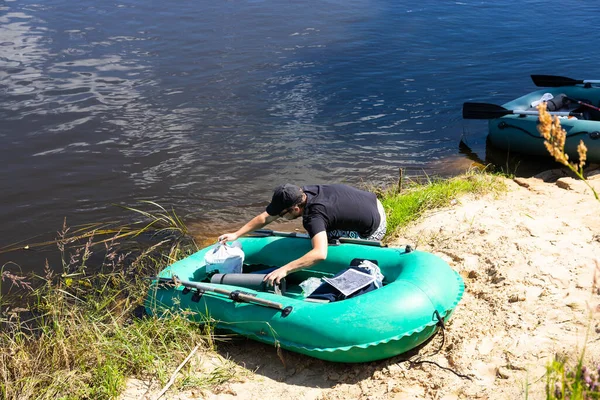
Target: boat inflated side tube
(250, 281)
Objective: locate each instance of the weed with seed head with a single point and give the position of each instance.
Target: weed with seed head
(555, 137)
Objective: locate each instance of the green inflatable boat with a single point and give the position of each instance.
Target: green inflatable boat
(419, 294)
(513, 126)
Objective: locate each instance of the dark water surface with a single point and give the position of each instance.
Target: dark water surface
(207, 105)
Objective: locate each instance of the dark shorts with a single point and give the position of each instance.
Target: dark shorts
(377, 235)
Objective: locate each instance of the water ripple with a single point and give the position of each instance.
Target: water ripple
(210, 104)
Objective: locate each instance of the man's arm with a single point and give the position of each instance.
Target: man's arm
(318, 253)
(255, 223)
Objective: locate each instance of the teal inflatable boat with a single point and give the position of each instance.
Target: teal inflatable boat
(419, 294)
(513, 126)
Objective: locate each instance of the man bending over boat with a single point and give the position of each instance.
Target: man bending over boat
(327, 211)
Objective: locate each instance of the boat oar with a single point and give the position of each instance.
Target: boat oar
(491, 111)
(583, 103)
(268, 232)
(558, 81)
(235, 295)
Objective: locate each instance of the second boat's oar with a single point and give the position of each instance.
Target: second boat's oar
(491, 111)
(558, 81)
(583, 103)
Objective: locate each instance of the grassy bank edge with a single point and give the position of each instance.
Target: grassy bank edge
(406, 202)
(79, 337)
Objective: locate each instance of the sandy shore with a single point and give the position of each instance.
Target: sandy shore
(529, 258)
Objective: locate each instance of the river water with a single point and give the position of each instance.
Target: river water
(205, 106)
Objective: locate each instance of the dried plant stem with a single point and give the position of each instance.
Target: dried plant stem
(174, 375)
(555, 136)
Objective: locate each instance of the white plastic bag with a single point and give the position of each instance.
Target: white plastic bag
(374, 271)
(545, 97)
(225, 259)
(310, 285)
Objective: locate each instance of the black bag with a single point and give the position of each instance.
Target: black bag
(557, 102)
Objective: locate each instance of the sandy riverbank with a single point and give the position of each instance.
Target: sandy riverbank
(528, 258)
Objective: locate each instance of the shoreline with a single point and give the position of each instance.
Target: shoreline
(530, 259)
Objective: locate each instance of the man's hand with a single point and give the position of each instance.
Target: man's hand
(227, 237)
(317, 254)
(260, 221)
(276, 276)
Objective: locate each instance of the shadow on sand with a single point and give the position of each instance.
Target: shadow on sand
(300, 370)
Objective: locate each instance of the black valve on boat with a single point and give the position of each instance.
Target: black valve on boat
(197, 295)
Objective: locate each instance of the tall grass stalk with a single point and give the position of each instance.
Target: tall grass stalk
(555, 137)
(160, 222)
(76, 335)
(564, 381)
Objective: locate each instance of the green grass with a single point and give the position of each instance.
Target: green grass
(578, 382)
(416, 197)
(78, 338)
(74, 335)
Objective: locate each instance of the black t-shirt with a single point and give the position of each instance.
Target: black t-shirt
(331, 207)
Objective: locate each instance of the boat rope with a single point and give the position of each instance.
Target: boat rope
(503, 125)
(442, 367)
(440, 320)
(419, 359)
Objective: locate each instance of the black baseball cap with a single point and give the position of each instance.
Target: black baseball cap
(284, 196)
